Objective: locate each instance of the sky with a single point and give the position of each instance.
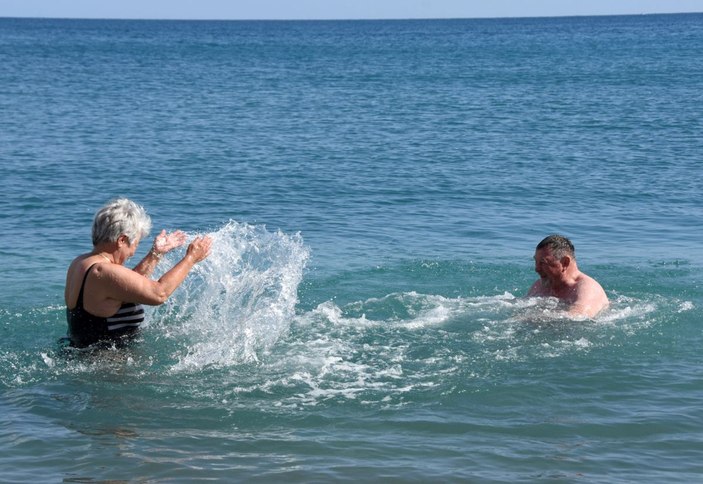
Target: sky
(335, 9)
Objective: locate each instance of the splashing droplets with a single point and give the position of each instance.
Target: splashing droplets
(240, 300)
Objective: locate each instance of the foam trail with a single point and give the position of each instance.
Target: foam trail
(240, 300)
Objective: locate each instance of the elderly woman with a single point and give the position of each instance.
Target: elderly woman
(104, 298)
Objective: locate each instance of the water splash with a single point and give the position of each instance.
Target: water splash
(411, 346)
(239, 301)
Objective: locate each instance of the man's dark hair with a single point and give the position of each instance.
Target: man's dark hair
(558, 245)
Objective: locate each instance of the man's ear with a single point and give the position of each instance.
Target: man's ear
(565, 261)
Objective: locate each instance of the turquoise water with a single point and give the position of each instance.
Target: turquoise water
(375, 190)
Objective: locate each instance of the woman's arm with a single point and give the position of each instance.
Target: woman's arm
(163, 243)
(122, 284)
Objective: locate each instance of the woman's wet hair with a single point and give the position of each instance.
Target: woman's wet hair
(120, 216)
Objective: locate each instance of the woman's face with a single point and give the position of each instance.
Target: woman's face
(126, 250)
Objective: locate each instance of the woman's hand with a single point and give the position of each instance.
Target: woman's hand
(199, 249)
(166, 242)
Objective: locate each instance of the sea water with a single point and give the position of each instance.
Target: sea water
(374, 191)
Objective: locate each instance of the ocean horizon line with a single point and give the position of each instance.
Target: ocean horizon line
(358, 19)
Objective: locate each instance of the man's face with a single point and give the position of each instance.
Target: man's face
(546, 265)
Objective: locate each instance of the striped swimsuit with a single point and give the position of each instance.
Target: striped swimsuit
(84, 329)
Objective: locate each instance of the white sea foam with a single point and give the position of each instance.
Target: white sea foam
(686, 306)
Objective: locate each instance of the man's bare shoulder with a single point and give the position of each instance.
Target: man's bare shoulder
(590, 296)
(588, 284)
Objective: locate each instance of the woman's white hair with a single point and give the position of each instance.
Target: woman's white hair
(120, 216)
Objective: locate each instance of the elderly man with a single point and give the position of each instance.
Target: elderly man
(555, 262)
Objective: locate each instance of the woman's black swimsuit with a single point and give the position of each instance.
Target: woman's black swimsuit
(85, 329)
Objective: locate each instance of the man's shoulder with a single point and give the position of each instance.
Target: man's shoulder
(587, 284)
(586, 280)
